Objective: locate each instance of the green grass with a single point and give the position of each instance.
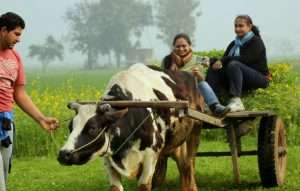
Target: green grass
(43, 174)
(78, 79)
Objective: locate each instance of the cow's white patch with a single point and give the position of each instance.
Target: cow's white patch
(113, 176)
(140, 81)
(118, 131)
(85, 112)
(149, 162)
(103, 149)
(131, 161)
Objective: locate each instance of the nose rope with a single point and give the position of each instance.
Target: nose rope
(54, 141)
(52, 133)
(120, 147)
(89, 143)
(66, 120)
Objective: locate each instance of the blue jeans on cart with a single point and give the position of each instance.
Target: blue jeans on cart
(208, 94)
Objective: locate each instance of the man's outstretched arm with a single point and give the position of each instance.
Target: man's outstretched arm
(25, 103)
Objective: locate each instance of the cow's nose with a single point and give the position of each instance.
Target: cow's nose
(64, 156)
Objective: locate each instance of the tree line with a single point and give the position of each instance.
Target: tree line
(113, 28)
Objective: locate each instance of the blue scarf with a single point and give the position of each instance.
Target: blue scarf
(239, 42)
(8, 116)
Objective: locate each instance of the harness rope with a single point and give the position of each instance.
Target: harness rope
(108, 145)
(129, 137)
(89, 143)
(52, 133)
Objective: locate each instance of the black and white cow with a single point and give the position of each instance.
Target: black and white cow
(156, 134)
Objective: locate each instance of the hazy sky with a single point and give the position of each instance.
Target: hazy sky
(277, 20)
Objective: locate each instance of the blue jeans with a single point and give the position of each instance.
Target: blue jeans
(208, 94)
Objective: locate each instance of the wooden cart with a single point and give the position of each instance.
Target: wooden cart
(271, 148)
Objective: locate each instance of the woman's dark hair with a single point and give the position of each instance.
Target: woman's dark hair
(184, 36)
(11, 21)
(248, 19)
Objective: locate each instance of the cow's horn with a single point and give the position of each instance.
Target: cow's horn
(114, 115)
(73, 105)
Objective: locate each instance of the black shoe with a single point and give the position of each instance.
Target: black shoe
(219, 110)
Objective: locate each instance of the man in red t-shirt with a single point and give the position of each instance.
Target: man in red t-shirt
(12, 82)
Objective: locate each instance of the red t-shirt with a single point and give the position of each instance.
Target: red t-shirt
(11, 75)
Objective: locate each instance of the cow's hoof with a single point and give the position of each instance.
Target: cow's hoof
(145, 187)
(114, 188)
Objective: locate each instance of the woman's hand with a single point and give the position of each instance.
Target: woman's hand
(217, 65)
(204, 61)
(196, 72)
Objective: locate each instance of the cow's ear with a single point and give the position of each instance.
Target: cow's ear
(115, 115)
(74, 106)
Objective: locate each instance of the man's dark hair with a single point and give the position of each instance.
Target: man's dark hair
(11, 21)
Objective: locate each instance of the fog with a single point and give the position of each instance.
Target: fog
(277, 20)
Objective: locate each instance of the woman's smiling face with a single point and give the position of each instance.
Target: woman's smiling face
(181, 47)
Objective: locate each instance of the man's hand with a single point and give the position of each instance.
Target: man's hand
(217, 65)
(49, 123)
(196, 72)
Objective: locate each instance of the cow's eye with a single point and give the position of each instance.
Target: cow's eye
(93, 130)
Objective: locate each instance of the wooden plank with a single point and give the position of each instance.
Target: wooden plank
(205, 118)
(151, 104)
(234, 154)
(245, 114)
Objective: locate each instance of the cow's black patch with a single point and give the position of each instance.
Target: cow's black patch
(118, 94)
(128, 124)
(159, 127)
(90, 131)
(70, 126)
(169, 136)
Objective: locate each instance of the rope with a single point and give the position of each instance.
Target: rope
(52, 134)
(129, 137)
(54, 141)
(100, 134)
(89, 143)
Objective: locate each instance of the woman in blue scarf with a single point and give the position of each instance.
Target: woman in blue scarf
(243, 66)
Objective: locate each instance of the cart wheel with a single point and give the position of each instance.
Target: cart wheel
(272, 154)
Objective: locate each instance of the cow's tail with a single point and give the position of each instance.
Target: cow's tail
(160, 171)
